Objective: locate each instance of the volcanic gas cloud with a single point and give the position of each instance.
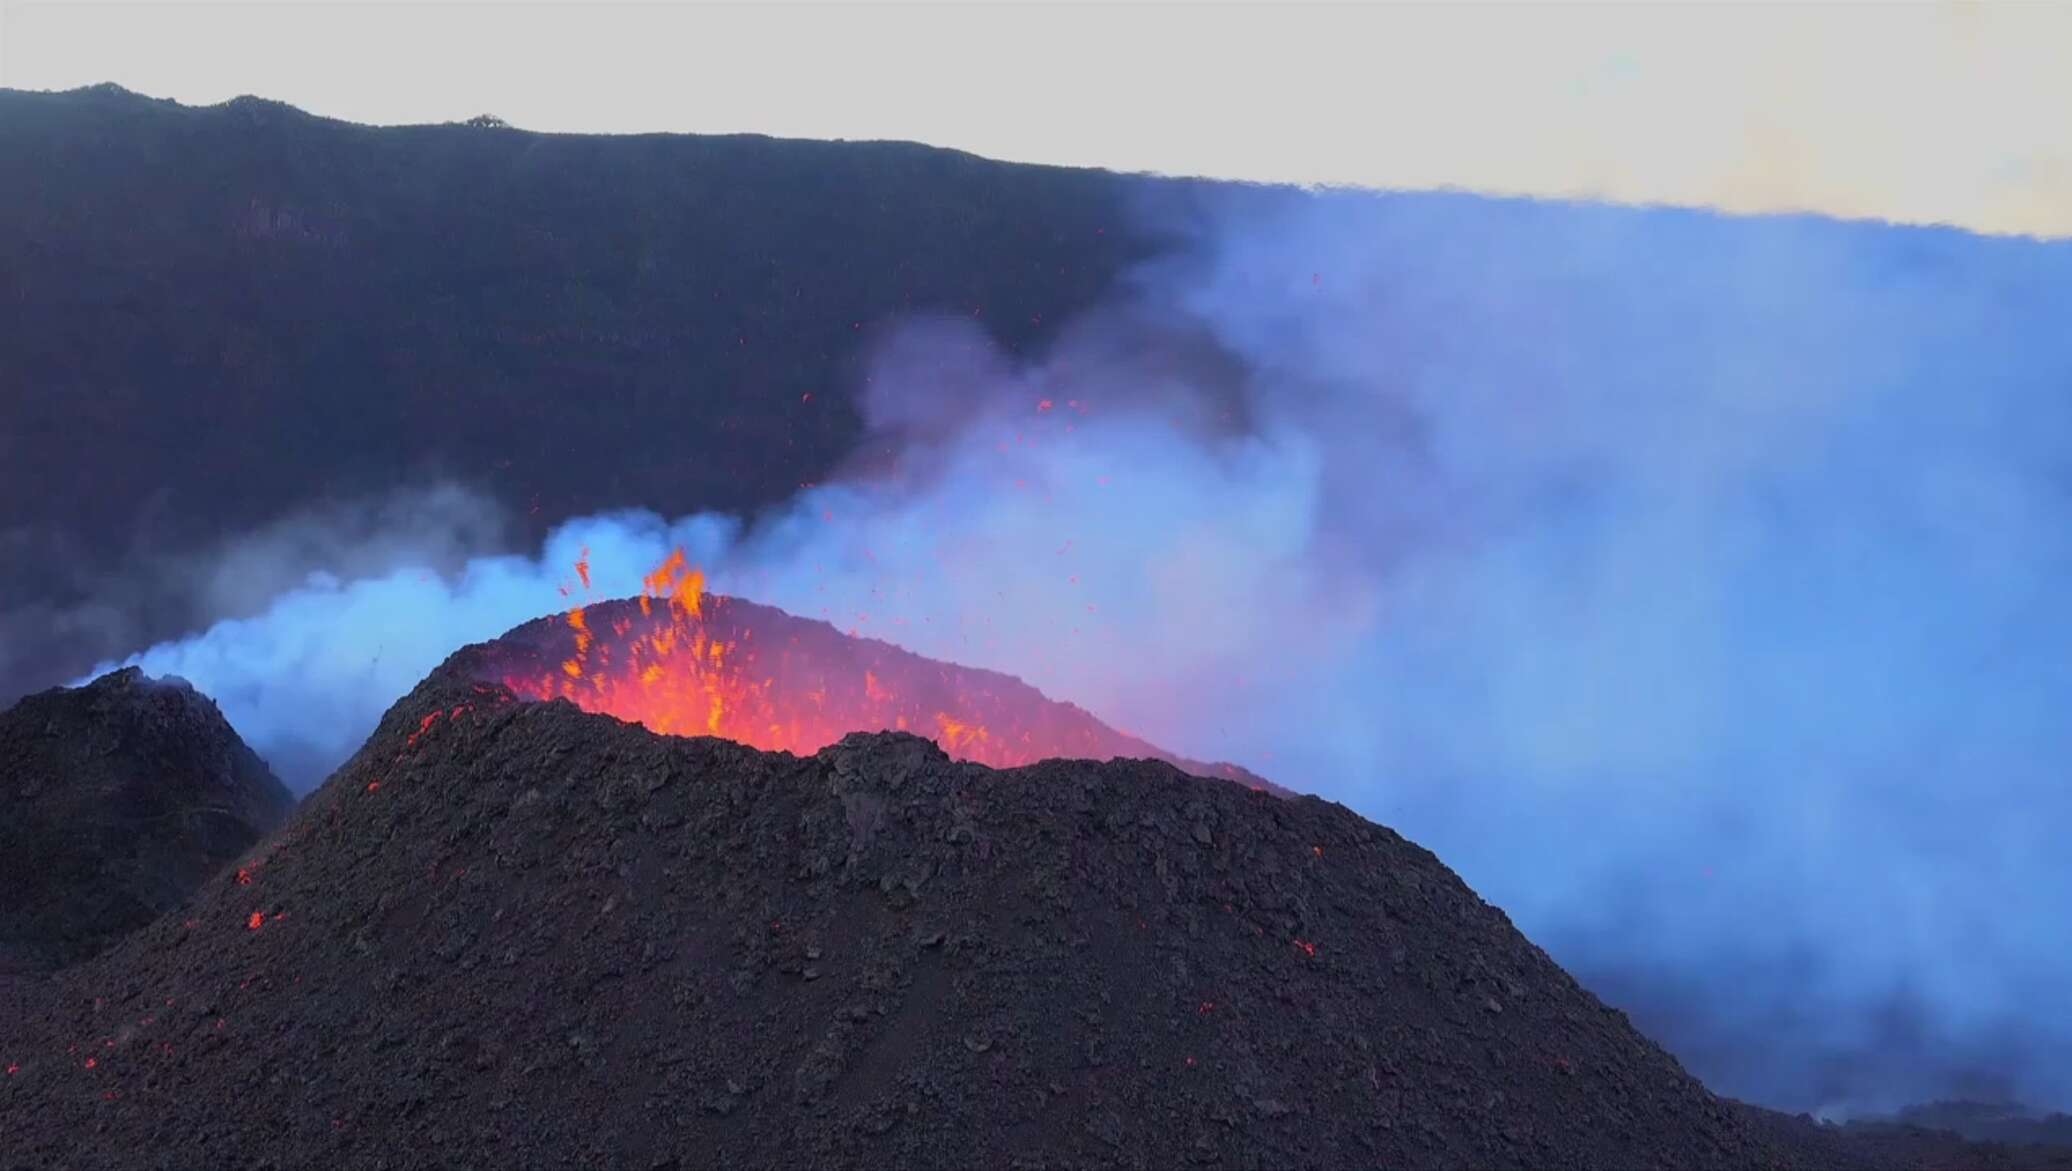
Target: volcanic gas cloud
(684, 662)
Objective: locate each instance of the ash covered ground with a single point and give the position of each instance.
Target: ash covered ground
(513, 933)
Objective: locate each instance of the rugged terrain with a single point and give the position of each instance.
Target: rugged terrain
(511, 933)
(117, 800)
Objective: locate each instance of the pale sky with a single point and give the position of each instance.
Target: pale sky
(1921, 112)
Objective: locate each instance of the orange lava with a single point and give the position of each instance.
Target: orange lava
(682, 662)
(423, 727)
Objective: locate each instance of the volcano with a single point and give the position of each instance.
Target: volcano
(120, 798)
(519, 933)
(511, 931)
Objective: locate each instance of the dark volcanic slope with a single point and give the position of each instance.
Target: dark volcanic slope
(116, 801)
(531, 934)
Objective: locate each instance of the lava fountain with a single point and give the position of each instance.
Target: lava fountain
(683, 662)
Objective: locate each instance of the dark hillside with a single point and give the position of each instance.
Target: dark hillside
(117, 800)
(214, 315)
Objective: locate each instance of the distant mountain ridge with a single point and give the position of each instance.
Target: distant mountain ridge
(250, 310)
(1997, 1122)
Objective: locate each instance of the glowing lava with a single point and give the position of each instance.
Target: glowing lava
(684, 662)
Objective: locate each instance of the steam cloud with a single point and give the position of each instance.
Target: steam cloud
(1693, 586)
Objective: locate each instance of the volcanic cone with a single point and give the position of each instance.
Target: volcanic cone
(517, 933)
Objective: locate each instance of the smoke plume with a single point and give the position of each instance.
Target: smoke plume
(1691, 585)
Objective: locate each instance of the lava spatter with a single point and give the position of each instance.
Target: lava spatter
(681, 661)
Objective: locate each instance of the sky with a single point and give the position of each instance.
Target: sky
(1917, 112)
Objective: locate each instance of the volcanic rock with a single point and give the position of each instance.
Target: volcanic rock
(117, 800)
(511, 933)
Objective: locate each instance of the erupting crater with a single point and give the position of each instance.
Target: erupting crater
(683, 662)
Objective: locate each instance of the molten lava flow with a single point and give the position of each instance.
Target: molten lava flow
(683, 662)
